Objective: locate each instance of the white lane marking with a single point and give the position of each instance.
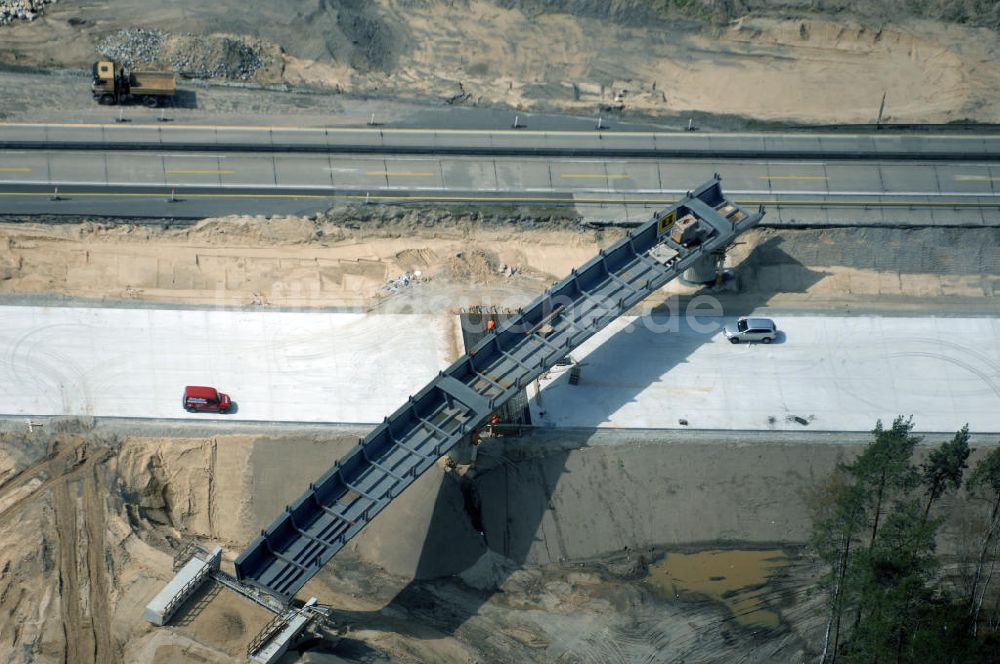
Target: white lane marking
(186, 156)
(782, 163)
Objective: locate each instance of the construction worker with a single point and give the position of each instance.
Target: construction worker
(490, 430)
(491, 325)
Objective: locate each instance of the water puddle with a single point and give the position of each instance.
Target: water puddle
(740, 580)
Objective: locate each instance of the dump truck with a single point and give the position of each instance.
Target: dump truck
(115, 84)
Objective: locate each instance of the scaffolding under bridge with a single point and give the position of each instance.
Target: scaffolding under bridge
(688, 235)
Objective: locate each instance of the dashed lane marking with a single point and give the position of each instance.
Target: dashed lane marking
(591, 176)
(200, 171)
(794, 177)
(400, 174)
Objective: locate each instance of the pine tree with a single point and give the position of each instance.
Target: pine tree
(944, 467)
(838, 522)
(904, 610)
(885, 467)
(894, 580)
(984, 482)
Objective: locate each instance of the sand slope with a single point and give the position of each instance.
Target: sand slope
(797, 66)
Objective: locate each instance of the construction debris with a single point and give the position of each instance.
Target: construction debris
(401, 282)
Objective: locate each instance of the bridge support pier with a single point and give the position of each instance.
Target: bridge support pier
(706, 270)
(476, 324)
(464, 453)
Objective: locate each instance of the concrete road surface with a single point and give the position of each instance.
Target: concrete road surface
(316, 367)
(835, 373)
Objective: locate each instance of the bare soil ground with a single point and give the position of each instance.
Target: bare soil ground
(783, 63)
(337, 260)
(395, 259)
(92, 517)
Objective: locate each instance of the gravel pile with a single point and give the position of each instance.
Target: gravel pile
(21, 10)
(400, 283)
(218, 56)
(133, 46)
(210, 56)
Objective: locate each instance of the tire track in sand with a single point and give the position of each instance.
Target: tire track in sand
(82, 576)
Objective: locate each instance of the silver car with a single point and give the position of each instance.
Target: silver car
(752, 329)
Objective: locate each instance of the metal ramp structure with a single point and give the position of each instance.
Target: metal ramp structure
(194, 566)
(688, 235)
(514, 413)
(195, 569)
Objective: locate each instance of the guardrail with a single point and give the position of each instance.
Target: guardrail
(664, 145)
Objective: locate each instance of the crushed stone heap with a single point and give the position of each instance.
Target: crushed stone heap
(133, 46)
(218, 56)
(21, 10)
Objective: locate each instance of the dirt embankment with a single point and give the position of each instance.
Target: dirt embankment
(336, 260)
(871, 269)
(753, 59)
(435, 260)
(637, 12)
(218, 56)
(90, 522)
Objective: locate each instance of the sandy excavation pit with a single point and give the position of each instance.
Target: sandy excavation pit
(584, 570)
(162, 495)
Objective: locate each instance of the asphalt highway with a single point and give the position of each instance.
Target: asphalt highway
(815, 180)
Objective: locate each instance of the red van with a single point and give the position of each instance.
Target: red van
(205, 400)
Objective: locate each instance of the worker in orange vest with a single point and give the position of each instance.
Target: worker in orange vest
(490, 431)
(490, 325)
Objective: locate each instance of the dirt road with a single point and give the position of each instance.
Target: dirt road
(73, 475)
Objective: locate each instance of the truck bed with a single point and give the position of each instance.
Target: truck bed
(152, 83)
